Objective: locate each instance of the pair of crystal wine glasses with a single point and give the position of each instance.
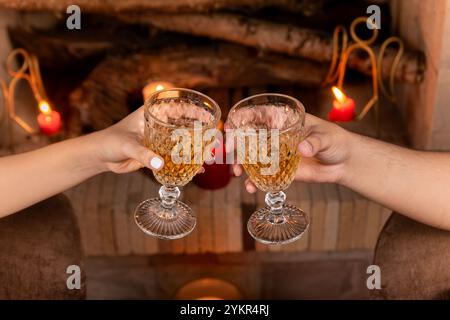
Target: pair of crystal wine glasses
(186, 115)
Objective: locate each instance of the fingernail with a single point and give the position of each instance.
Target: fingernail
(156, 163)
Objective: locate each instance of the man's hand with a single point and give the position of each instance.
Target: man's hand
(325, 151)
(411, 182)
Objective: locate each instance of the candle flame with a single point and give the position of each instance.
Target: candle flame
(340, 96)
(155, 86)
(44, 107)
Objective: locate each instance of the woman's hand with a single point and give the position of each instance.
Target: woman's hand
(120, 148)
(325, 151)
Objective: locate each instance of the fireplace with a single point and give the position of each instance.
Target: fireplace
(237, 45)
(228, 50)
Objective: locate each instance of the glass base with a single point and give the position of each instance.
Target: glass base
(283, 228)
(163, 223)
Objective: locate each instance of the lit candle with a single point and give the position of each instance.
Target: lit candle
(154, 86)
(49, 120)
(343, 107)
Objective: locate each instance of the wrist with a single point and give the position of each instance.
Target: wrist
(349, 165)
(92, 152)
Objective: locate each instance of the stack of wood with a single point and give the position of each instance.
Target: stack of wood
(246, 51)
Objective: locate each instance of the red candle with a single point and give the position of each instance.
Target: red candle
(49, 120)
(343, 107)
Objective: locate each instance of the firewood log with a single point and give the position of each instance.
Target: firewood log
(102, 97)
(109, 7)
(61, 49)
(280, 38)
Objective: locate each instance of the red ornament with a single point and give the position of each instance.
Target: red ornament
(216, 175)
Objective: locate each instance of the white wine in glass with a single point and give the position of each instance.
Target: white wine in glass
(169, 114)
(276, 123)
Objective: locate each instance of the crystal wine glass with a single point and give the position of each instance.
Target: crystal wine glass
(175, 122)
(268, 129)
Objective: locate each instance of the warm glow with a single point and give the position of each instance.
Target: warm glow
(159, 87)
(44, 107)
(155, 86)
(208, 289)
(220, 125)
(340, 96)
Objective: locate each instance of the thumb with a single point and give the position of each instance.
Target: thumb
(310, 146)
(145, 156)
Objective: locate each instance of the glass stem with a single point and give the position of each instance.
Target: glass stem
(169, 196)
(275, 201)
